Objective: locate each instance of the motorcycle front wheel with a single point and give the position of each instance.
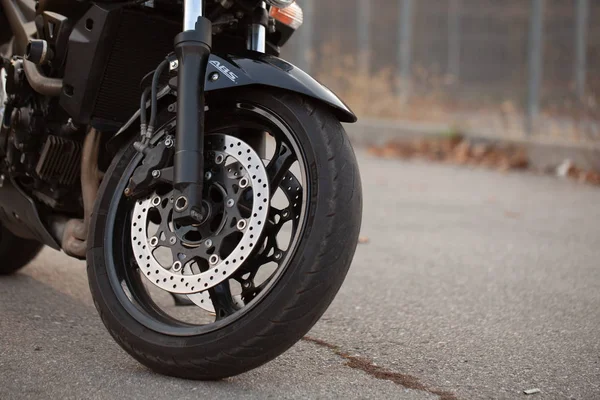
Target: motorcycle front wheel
(279, 234)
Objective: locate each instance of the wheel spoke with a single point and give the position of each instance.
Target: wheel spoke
(283, 158)
(271, 252)
(222, 300)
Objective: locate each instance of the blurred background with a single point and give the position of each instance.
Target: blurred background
(511, 68)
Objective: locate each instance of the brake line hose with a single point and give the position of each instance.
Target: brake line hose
(154, 100)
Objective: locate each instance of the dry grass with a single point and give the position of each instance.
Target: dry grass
(433, 98)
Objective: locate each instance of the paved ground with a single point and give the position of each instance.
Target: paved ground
(474, 283)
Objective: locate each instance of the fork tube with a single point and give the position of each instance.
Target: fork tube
(192, 10)
(192, 47)
(257, 31)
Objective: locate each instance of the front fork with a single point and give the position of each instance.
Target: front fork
(193, 47)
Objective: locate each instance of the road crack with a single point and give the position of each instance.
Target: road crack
(367, 366)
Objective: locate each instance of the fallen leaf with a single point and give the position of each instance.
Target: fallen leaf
(363, 240)
(592, 177)
(562, 171)
(512, 214)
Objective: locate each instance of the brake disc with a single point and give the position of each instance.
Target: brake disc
(236, 205)
(3, 95)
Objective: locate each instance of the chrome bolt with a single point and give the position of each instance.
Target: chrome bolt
(173, 240)
(154, 241)
(219, 159)
(177, 266)
(169, 142)
(230, 203)
(285, 214)
(156, 201)
(181, 203)
(214, 77)
(246, 284)
(156, 173)
(174, 64)
(208, 175)
(243, 182)
(241, 225)
(208, 243)
(214, 259)
(277, 255)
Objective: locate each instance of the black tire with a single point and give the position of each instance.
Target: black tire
(16, 252)
(304, 290)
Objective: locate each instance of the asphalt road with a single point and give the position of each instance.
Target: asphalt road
(475, 284)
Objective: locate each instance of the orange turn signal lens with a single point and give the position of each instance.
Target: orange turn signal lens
(291, 16)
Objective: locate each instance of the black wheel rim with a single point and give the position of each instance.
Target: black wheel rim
(128, 284)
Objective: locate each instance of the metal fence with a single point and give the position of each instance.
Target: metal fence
(534, 62)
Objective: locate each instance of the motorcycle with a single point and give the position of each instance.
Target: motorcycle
(177, 160)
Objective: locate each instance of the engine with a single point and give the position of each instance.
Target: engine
(38, 150)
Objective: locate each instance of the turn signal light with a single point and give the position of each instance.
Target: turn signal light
(291, 16)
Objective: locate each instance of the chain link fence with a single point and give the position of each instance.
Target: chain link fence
(511, 67)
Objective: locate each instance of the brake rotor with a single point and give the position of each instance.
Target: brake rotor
(3, 95)
(236, 199)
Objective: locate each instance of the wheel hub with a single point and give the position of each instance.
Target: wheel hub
(204, 255)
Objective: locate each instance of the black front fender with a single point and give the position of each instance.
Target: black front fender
(251, 69)
(225, 72)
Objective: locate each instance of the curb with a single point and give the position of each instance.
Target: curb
(544, 154)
